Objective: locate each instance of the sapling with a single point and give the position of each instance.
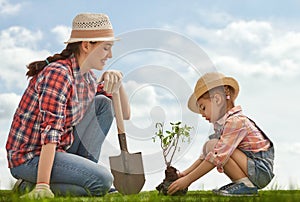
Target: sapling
(169, 143)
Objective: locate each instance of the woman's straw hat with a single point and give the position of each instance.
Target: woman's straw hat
(91, 27)
(207, 82)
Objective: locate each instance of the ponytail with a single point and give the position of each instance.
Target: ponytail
(35, 67)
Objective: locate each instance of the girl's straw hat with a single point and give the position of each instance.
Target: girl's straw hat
(207, 82)
(91, 27)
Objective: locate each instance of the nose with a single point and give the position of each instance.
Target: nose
(109, 55)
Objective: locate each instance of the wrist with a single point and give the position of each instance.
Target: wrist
(42, 185)
(181, 174)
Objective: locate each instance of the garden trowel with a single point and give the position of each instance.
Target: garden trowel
(127, 168)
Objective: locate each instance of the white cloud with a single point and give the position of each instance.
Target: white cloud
(255, 47)
(8, 104)
(19, 37)
(62, 32)
(17, 49)
(7, 8)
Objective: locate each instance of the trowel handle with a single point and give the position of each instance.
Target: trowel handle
(122, 142)
(119, 120)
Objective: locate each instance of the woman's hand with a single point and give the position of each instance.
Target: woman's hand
(112, 80)
(179, 184)
(39, 192)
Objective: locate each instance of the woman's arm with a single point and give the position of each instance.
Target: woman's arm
(42, 187)
(45, 163)
(124, 103)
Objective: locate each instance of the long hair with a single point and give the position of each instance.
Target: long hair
(35, 67)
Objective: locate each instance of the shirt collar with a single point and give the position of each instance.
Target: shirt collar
(234, 110)
(88, 76)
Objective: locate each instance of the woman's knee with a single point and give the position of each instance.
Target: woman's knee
(103, 184)
(103, 104)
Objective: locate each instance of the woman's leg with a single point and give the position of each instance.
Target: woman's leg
(71, 175)
(90, 133)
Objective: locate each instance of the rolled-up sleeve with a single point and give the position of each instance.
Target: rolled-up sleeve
(233, 133)
(54, 88)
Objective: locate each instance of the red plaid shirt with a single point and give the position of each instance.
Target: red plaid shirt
(235, 130)
(54, 101)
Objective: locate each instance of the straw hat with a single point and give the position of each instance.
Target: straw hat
(91, 27)
(207, 82)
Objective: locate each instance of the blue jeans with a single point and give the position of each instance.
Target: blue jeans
(260, 167)
(77, 172)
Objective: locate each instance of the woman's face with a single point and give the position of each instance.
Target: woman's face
(97, 54)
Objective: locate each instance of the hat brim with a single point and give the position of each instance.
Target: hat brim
(73, 40)
(192, 102)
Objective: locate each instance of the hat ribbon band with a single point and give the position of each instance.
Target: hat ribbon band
(92, 33)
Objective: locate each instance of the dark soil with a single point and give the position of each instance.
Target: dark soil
(170, 176)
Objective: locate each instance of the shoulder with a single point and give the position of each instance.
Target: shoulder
(236, 122)
(56, 70)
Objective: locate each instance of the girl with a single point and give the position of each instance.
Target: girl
(65, 114)
(238, 147)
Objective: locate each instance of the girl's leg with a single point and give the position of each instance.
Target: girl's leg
(236, 167)
(90, 133)
(71, 175)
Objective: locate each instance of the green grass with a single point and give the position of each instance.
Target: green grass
(265, 196)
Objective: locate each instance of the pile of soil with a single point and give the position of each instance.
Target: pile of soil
(170, 176)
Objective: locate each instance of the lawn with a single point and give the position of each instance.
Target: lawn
(265, 196)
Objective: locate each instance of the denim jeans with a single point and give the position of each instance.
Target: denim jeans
(260, 167)
(77, 172)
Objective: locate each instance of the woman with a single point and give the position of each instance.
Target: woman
(65, 114)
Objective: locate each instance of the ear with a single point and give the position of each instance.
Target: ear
(218, 99)
(85, 46)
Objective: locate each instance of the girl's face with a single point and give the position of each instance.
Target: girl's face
(212, 109)
(97, 55)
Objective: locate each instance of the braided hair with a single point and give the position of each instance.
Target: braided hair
(35, 67)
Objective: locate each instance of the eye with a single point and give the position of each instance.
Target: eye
(202, 108)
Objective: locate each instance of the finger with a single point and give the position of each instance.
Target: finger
(108, 83)
(106, 80)
(171, 189)
(117, 85)
(113, 81)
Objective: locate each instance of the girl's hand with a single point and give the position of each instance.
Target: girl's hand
(179, 184)
(39, 192)
(180, 174)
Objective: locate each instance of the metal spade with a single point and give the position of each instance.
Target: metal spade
(127, 168)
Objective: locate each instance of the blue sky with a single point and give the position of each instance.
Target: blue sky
(166, 46)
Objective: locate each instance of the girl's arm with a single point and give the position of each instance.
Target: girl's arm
(191, 168)
(124, 103)
(183, 182)
(203, 168)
